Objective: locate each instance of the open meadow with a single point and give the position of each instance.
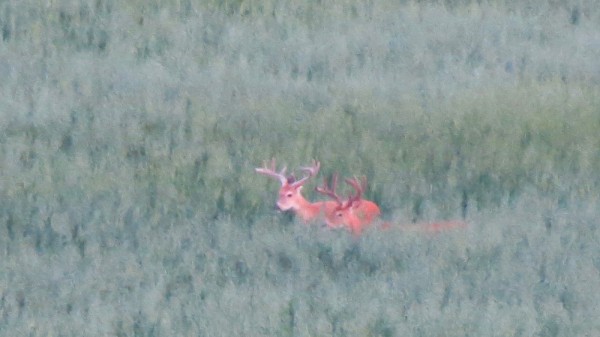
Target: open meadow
(130, 130)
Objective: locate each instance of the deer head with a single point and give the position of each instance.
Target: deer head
(342, 214)
(289, 192)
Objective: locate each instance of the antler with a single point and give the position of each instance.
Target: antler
(311, 172)
(330, 191)
(272, 172)
(359, 186)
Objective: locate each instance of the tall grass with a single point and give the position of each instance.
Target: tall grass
(129, 134)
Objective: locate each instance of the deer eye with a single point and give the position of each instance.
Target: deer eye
(289, 195)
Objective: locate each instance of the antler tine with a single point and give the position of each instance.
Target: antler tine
(311, 172)
(358, 186)
(335, 182)
(273, 167)
(330, 191)
(272, 171)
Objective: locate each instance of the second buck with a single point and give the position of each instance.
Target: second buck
(353, 212)
(357, 213)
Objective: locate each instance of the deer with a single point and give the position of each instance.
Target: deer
(290, 196)
(356, 213)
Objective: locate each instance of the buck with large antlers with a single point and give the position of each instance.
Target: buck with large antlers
(290, 196)
(357, 213)
(354, 212)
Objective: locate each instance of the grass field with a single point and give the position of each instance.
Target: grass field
(129, 134)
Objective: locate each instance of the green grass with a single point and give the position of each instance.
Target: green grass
(129, 134)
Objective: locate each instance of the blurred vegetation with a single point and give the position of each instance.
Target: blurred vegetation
(129, 132)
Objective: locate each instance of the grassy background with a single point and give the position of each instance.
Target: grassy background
(129, 134)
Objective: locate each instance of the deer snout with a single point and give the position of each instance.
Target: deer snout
(283, 206)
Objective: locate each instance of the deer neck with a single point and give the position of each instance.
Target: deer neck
(308, 211)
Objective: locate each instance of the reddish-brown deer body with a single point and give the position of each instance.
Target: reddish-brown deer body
(291, 198)
(357, 213)
(366, 211)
